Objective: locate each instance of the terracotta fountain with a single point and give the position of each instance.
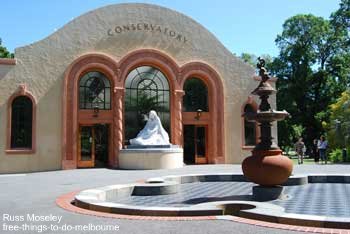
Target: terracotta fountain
(266, 166)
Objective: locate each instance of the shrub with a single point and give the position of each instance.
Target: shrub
(336, 155)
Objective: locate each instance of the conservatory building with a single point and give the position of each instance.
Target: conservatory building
(76, 98)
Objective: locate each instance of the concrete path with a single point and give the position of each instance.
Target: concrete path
(22, 195)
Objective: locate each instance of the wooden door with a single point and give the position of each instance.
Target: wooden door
(86, 147)
(195, 144)
(201, 149)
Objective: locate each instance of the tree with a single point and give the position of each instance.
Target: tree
(249, 58)
(313, 69)
(252, 59)
(4, 53)
(339, 123)
(340, 22)
(341, 19)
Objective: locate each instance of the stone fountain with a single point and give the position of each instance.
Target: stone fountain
(266, 166)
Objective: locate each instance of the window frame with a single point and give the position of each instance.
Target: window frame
(103, 79)
(254, 106)
(22, 91)
(207, 109)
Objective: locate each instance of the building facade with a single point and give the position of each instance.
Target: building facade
(74, 99)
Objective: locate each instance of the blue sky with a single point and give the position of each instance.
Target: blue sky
(241, 25)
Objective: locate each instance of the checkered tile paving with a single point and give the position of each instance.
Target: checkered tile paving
(194, 193)
(313, 199)
(317, 199)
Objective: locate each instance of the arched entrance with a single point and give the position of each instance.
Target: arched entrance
(206, 127)
(94, 120)
(74, 117)
(88, 110)
(164, 67)
(147, 89)
(195, 103)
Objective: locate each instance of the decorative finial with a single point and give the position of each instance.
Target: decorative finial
(22, 88)
(262, 70)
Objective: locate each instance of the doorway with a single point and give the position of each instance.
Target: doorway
(93, 145)
(195, 144)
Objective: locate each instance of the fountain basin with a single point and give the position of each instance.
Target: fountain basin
(222, 195)
(266, 116)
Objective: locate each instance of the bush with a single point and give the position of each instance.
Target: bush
(336, 155)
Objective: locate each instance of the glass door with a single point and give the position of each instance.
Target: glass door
(86, 148)
(201, 144)
(189, 144)
(195, 144)
(101, 133)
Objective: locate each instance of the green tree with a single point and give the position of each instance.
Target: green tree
(249, 58)
(338, 65)
(4, 53)
(341, 19)
(338, 125)
(252, 59)
(313, 70)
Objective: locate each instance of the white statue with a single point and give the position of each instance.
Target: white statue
(153, 133)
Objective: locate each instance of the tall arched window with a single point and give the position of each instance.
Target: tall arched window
(196, 95)
(249, 128)
(21, 123)
(147, 89)
(94, 91)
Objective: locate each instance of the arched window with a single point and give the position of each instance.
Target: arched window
(196, 95)
(94, 91)
(146, 89)
(21, 123)
(249, 128)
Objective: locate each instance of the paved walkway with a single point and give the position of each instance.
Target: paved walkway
(35, 193)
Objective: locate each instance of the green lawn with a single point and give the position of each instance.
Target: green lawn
(306, 161)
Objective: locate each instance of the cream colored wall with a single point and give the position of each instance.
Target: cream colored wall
(42, 65)
(48, 137)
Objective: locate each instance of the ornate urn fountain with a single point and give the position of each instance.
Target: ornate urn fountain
(266, 166)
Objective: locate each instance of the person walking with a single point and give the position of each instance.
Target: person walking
(314, 150)
(322, 149)
(299, 149)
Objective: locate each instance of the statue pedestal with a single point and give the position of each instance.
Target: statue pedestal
(151, 157)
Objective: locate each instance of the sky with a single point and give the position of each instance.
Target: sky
(249, 26)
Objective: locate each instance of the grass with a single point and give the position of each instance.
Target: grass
(306, 161)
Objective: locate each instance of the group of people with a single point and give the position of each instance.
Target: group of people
(318, 150)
